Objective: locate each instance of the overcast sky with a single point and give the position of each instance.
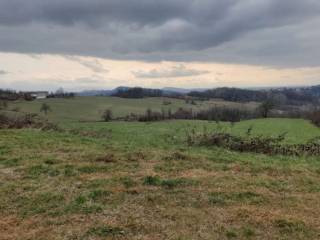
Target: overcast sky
(81, 44)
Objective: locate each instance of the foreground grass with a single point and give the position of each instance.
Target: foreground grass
(141, 181)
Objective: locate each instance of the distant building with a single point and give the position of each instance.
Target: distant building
(39, 95)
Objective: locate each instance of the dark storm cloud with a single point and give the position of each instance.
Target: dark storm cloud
(185, 30)
(2, 72)
(177, 71)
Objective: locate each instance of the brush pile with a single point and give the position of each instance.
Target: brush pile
(255, 144)
(29, 120)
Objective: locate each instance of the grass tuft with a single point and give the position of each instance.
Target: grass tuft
(223, 198)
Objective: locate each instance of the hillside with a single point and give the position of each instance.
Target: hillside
(91, 108)
(88, 179)
(124, 180)
(291, 96)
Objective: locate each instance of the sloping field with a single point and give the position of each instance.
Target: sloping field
(91, 108)
(142, 181)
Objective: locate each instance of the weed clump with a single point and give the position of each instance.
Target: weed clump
(82, 204)
(128, 182)
(167, 183)
(38, 170)
(224, 198)
(152, 181)
(41, 203)
(293, 228)
(105, 231)
(231, 234)
(99, 194)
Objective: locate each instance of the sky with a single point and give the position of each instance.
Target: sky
(102, 44)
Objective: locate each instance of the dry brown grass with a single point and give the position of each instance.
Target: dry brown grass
(66, 187)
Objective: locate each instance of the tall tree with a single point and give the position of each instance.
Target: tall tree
(266, 107)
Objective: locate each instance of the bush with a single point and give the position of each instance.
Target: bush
(166, 103)
(182, 113)
(9, 95)
(151, 116)
(107, 115)
(25, 121)
(225, 114)
(212, 114)
(257, 144)
(3, 104)
(315, 117)
(45, 108)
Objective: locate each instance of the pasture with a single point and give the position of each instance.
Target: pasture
(91, 108)
(133, 180)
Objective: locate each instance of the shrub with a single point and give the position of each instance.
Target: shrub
(212, 114)
(182, 113)
(315, 117)
(25, 121)
(166, 103)
(151, 116)
(107, 115)
(256, 144)
(225, 114)
(3, 104)
(45, 108)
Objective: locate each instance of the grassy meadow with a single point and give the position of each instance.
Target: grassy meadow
(91, 108)
(133, 180)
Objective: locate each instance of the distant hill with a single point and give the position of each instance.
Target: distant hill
(165, 91)
(231, 94)
(90, 93)
(102, 92)
(169, 90)
(314, 90)
(137, 92)
(292, 95)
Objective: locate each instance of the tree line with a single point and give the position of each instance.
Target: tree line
(10, 95)
(290, 96)
(216, 113)
(138, 92)
(211, 114)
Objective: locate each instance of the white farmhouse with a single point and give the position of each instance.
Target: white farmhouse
(39, 95)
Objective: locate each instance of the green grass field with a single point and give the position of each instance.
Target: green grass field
(121, 180)
(91, 108)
